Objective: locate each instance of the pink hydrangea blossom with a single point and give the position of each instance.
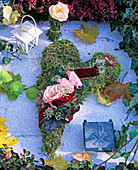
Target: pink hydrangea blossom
(66, 85)
(74, 79)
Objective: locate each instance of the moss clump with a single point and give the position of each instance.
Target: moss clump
(57, 58)
(111, 73)
(52, 140)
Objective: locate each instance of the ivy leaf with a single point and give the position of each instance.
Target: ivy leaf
(6, 60)
(135, 123)
(10, 141)
(129, 14)
(17, 87)
(58, 163)
(126, 102)
(133, 103)
(125, 155)
(116, 89)
(117, 155)
(133, 88)
(135, 164)
(89, 33)
(133, 133)
(134, 63)
(32, 92)
(52, 124)
(5, 76)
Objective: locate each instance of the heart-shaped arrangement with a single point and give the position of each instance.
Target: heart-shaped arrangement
(64, 83)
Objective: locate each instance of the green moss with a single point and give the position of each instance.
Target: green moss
(111, 73)
(51, 141)
(57, 58)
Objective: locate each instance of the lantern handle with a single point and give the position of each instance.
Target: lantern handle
(33, 21)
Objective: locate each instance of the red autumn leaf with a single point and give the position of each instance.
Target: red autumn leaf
(116, 89)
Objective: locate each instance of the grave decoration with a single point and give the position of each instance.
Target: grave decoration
(27, 34)
(98, 136)
(64, 82)
(58, 14)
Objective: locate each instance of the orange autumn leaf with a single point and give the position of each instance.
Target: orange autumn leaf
(116, 90)
(82, 157)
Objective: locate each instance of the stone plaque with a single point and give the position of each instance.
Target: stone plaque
(98, 136)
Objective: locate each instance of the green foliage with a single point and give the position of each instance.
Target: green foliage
(52, 140)
(5, 76)
(110, 75)
(133, 105)
(15, 161)
(126, 22)
(32, 92)
(54, 32)
(133, 133)
(9, 49)
(11, 84)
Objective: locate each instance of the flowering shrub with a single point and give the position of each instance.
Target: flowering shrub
(97, 10)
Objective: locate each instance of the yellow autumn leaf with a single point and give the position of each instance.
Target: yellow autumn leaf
(14, 16)
(6, 21)
(7, 10)
(88, 34)
(103, 99)
(9, 141)
(82, 157)
(58, 163)
(9, 15)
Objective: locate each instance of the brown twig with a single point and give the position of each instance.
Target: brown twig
(136, 144)
(105, 38)
(134, 152)
(113, 154)
(124, 77)
(130, 110)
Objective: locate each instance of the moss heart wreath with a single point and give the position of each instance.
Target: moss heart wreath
(59, 58)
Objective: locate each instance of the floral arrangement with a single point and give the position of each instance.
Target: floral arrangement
(97, 10)
(64, 82)
(58, 14)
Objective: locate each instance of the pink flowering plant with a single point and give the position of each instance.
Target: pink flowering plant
(61, 99)
(97, 10)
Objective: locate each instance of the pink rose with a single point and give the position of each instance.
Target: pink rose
(9, 154)
(74, 79)
(51, 93)
(66, 85)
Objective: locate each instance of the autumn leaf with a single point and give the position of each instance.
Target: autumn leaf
(116, 89)
(10, 141)
(103, 99)
(82, 157)
(89, 34)
(14, 16)
(9, 15)
(58, 163)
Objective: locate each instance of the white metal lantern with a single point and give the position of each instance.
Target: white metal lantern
(27, 34)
